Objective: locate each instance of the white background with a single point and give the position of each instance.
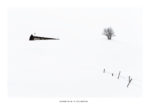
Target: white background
(117, 3)
(72, 66)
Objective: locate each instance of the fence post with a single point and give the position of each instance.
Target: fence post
(104, 70)
(119, 74)
(130, 79)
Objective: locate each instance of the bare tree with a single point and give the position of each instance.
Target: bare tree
(108, 32)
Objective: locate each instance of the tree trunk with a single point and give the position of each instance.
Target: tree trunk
(109, 37)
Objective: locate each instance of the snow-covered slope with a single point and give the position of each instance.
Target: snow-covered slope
(73, 65)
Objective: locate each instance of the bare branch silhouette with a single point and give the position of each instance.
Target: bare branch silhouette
(109, 33)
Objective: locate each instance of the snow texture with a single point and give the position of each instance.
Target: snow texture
(73, 66)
